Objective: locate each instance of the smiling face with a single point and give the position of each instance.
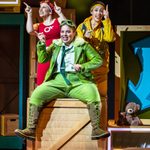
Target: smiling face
(97, 13)
(67, 34)
(44, 10)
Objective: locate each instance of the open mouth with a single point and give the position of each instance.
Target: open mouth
(98, 17)
(65, 38)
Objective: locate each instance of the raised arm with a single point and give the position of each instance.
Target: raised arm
(109, 34)
(29, 23)
(58, 10)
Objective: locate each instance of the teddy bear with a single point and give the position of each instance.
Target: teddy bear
(129, 117)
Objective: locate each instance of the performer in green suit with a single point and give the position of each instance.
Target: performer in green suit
(69, 75)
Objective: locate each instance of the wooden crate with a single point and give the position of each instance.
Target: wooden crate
(64, 124)
(9, 122)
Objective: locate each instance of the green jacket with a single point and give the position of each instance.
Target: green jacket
(85, 55)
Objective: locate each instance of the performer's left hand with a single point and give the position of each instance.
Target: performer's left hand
(106, 12)
(57, 9)
(77, 67)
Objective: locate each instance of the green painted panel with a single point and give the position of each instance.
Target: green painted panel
(11, 19)
(11, 142)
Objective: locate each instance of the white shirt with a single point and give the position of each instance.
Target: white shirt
(69, 59)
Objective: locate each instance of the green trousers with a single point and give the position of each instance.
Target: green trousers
(87, 91)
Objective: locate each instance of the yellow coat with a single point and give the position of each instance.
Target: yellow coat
(102, 34)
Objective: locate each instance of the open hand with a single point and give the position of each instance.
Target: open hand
(87, 34)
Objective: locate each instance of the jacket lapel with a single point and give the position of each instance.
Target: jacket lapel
(54, 57)
(77, 51)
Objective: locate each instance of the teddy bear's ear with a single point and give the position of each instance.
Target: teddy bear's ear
(123, 114)
(138, 106)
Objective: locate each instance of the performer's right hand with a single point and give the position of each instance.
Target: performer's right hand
(40, 36)
(28, 9)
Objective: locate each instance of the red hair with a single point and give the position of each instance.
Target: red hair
(48, 3)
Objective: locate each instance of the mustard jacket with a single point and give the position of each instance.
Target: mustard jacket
(85, 55)
(102, 34)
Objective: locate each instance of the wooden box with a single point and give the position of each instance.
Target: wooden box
(64, 124)
(9, 122)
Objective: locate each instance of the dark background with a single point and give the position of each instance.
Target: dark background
(122, 12)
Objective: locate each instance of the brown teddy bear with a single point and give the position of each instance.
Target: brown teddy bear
(129, 117)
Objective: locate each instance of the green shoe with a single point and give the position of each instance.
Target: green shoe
(99, 133)
(26, 133)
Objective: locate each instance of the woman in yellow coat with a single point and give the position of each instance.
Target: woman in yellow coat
(98, 31)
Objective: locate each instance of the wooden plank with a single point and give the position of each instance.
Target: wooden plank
(77, 127)
(30, 145)
(70, 103)
(65, 102)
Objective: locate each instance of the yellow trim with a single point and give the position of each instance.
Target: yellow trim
(96, 5)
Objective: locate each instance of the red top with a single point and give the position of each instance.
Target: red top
(51, 32)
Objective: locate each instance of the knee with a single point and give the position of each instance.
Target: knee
(36, 102)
